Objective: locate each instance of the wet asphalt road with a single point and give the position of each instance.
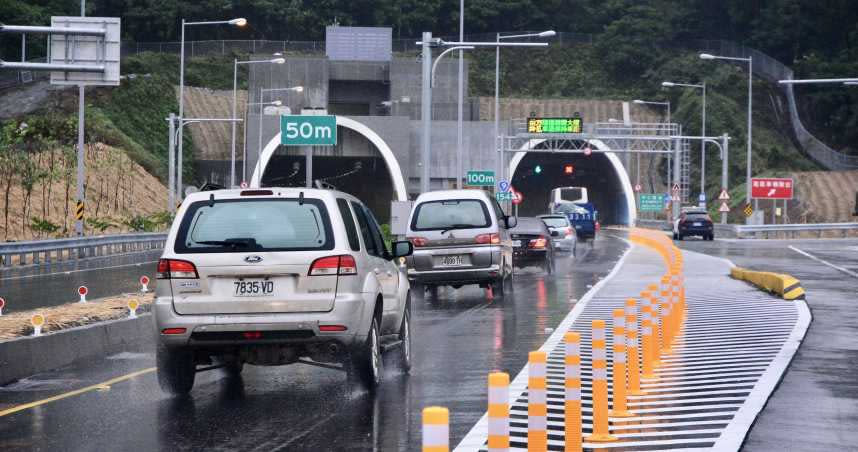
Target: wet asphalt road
(54, 284)
(458, 339)
(816, 405)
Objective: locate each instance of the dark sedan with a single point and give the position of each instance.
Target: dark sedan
(532, 245)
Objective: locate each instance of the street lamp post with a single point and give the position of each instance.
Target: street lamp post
(498, 144)
(239, 22)
(427, 43)
(750, 61)
(701, 87)
(234, 106)
(670, 131)
(261, 105)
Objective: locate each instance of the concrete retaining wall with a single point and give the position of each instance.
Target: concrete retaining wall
(27, 356)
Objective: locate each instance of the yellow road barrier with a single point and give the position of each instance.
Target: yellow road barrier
(786, 286)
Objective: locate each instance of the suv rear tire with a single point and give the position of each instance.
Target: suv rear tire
(404, 351)
(176, 370)
(365, 364)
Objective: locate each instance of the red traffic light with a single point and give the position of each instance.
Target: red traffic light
(568, 169)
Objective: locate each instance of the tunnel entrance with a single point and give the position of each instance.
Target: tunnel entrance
(366, 178)
(607, 187)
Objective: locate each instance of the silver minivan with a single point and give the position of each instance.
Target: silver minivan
(460, 237)
(278, 276)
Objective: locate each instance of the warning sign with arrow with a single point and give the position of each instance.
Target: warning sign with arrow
(724, 196)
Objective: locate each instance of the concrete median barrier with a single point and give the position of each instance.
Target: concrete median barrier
(785, 286)
(26, 356)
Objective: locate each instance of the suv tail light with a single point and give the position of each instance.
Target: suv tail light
(538, 243)
(334, 265)
(418, 241)
(485, 239)
(568, 231)
(176, 269)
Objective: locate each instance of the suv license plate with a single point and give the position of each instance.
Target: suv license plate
(254, 288)
(698, 224)
(516, 243)
(451, 261)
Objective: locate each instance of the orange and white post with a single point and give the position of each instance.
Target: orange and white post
(436, 429)
(537, 402)
(648, 355)
(619, 358)
(633, 347)
(663, 315)
(498, 412)
(600, 385)
(572, 403)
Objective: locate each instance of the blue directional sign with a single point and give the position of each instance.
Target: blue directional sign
(503, 186)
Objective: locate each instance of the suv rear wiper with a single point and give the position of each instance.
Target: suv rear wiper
(232, 243)
(459, 226)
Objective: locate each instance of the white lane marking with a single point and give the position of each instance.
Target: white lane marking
(12, 278)
(821, 261)
(476, 437)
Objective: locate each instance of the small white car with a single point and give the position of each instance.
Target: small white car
(278, 276)
(562, 233)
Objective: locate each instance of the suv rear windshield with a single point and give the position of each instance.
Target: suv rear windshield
(241, 225)
(556, 222)
(451, 214)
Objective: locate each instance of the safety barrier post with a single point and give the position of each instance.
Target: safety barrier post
(436, 429)
(618, 372)
(632, 347)
(600, 385)
(652, 301)
(572, 404)
(498, 412)
(664, 313)
(648, 354)
(537, 402)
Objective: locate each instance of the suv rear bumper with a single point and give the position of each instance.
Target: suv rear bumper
(284, 328)
(455, 276)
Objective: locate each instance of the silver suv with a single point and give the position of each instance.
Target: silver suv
(278, 276)
(460, 237)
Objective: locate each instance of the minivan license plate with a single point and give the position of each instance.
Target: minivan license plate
(452, 261)
(254, 288)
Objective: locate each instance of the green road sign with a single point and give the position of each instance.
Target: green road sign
(481, 178)
(298, 130)
(651, 202)
(504, 196)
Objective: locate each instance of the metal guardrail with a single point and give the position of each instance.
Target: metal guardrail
(58, 250)
(755, 229)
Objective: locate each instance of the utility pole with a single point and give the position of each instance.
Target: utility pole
(459, 119)
(81, 151)
(426, 112)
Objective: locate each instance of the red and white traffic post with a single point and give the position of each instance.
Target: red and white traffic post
(144, 284)
(82, 291)
(2, 305)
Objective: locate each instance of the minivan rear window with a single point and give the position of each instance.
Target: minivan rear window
(241, 225)
(451, 214)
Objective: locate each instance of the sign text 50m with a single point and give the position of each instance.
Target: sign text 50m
(298, 130)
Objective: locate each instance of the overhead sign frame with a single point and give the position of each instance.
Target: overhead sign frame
(100, 51)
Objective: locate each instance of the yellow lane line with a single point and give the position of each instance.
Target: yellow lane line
(95, 387)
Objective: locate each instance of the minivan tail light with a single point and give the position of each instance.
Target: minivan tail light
(418, 241)
(176, 269)
(484, 239)
(334, 265)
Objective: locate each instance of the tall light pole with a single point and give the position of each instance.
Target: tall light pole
(262, 104)
(239, 22)
(234, 106)
(460, 108)
(427, 43)
(670, 131)
(750, 61)
(498, 144)
(701, 87)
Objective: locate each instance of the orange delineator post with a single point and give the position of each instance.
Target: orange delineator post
(632, 348)
(600, 385)
(537, 402)
(618, 372)
(648, 355)
(572, 402)
(663, 314)
(498, 412)
(436, 429)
